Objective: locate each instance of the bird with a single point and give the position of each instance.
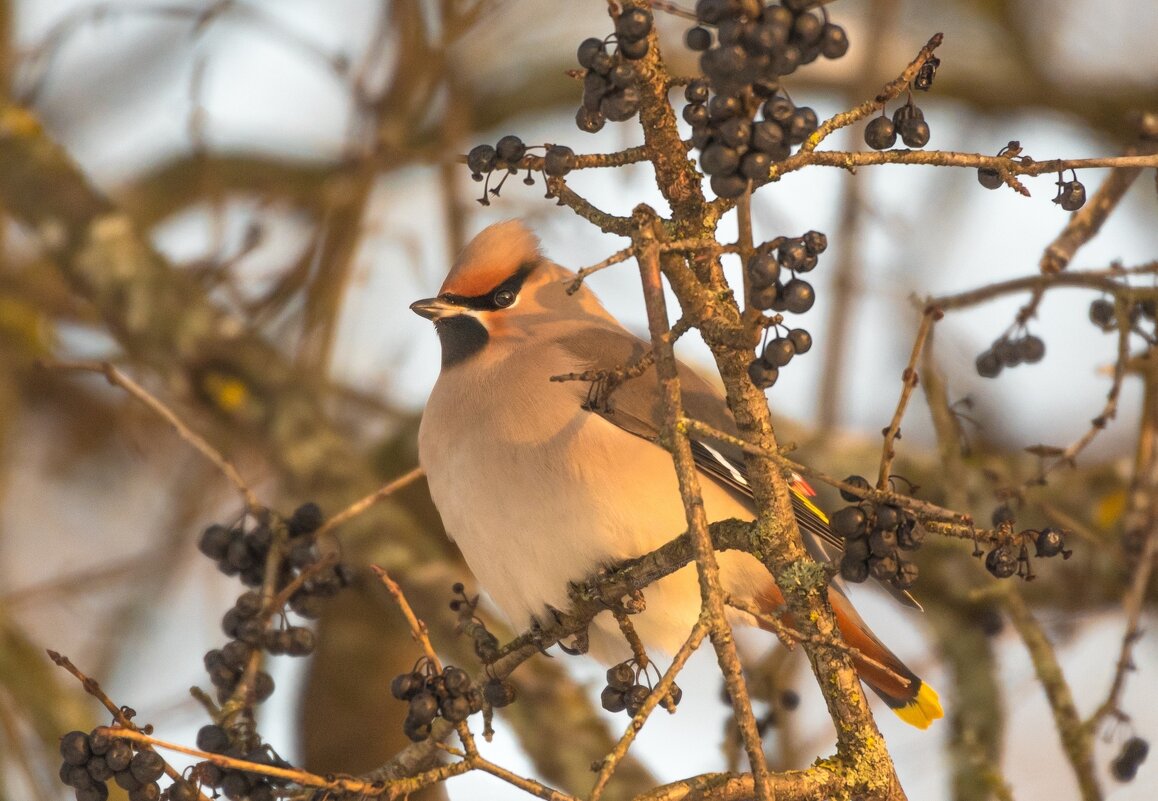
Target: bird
(540, 488)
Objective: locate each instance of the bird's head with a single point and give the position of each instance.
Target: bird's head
(502, 290)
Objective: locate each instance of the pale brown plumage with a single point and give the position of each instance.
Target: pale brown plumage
(539, 489)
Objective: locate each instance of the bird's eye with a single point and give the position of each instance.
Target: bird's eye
(504, 298)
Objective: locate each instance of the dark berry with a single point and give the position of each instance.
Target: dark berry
(415, 731)
(883, 568)
(768, 137)
(214, 541)
(589, 120)
(99, 769)
(620, 105)
(766, 297)
(988, 365)
(778, 352)
(126, 780)
(719, 159)
(779, 109)
(1002, 561)
(456, 680)
(455, 709)
(423, 707)
(1049, 542)
(510, 149)
(833, 41)
(855, 481)
(1071, 195)
(711, 11)
(857, 549)
(557, 161)
(914, 133)
(120, 754)
(620, 676)
(1102, 314)
(696, 91)
(635, 698)
(791, 254)
(499, 693)
(910, 534)
(74, 748)
(989, 177)
(724, 107)
(95, 792)
(76, 776)
(300, 642)
(633, 50)
(883, 542)
(849, 522)
(587, 50)
(675, 694)
(623, 76)
(763, 269)
(263, 686)
(182, 791)
(798, 296)
(696, 115)
(729, 186)
(1032, 349)
(880, 133)
(147, 766)
(612, 699)
(906, 575)
(854, 570)
(807, 29)
(815, 242)
(762, 374)
(634, 23)
(801, 125)
(734, 132)
(1007, 352)
(801, 340)
(888, 517)
(307, 518)
(698, 39)
(601, 63)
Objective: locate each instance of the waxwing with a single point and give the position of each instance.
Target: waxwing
(540, 488)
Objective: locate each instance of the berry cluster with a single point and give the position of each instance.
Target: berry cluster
(908, 122)
(245, 552)
(611, 83)
(1009, 351)
(1125, 765)
(874, 537)
(1012, 556)
(507, 154)
(93, 759)
(1071, 194)
(236, 784)
(742, 64)
(770, 292)
(450, 694)
(625, 689)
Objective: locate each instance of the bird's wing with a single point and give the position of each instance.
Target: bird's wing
(635, 405)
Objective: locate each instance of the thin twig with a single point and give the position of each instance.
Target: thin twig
(655, 697)
(909, 381)
(422, 636)
(708, 570)
(93, 688)
(117, 378)
(360, 506)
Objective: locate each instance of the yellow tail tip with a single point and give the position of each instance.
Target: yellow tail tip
(922, 710)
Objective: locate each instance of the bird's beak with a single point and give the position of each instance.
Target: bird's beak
(434, 308)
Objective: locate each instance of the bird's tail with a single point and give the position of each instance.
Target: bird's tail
(915, 702)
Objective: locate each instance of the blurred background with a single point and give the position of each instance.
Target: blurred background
(272, 183)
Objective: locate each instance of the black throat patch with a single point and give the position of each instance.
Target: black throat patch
(461, 336)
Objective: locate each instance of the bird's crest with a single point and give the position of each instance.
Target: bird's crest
(491, 257)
